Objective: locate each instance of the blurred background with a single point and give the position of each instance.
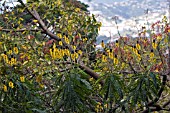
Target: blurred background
(130, 15)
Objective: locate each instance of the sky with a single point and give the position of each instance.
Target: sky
(11, 2)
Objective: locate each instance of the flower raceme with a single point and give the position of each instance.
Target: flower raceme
(138, 45)
(115, 60)
(151, 54)
(15, 49)
(11, 84)
(22, 78)
(5, 88)
(102, 44)
(104, 58)
(154, 44)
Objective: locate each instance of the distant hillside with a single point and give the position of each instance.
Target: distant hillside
(127, 11)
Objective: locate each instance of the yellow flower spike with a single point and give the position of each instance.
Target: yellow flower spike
(5, 57)
(105, 69)
(115, 60)
(12, 61)
(117, 43)
(164, 19)
(5, 88)
(15, 50)
(123, 65)
(110, 54)
(134, 49)
(91, 79)
(154, 44)
(66, 39)
(138, 45)
(139, 56)
(74, 47)
(102, 44)
(10, 51)
(62, 52)
(51, 52)
(39, 78)
(41, 85)
(108, 51)
(54, 46)
(151, 54)
(106, 105)
(77, 10)
(60, 43)
(80, 52)
(84, 39)
(67, 52)
(76, 55)
(22, 78)
(73, 56)
(35, 21)
(11, 84)
(59, 35)
(104, 58)
(54, 54)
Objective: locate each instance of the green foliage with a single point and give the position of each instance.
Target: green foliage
(47, 48)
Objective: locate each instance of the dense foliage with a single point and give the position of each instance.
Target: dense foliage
(49, 63)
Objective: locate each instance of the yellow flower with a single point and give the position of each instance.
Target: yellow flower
(66, 40)
(139, 57)
(10, 51)
(22, 78)
(11, 84)
(5, 88)
(123, 65)
(15, 50)
(35, 21)
(102, 44)
(67, 52)
(91, 79)
(59, 35)
(151, 54)
(52, 53)
(41, 85)
(104, 58)
(135, 50)
(154, 44)
(98, 107)
(76, 55)
(54, 46)
(110, 53)
(80, 52)
(5, 57)
(73, 56)
(39, 78)
(115, 60)
(138, 46)
(84, 39)
(117, 43)
(74, 47)
(77, 10)
(60, 43)
(105, 69)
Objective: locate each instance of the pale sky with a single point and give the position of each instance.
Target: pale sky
(12, 2)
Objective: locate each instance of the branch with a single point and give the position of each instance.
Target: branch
(165, 104)
(46, 31)
(164, 79)
(21, 30)
(85, 69)
(36, 16)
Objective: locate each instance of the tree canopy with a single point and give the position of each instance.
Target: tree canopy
(49, 62)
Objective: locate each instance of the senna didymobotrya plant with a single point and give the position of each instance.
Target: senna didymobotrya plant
(49, 62)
